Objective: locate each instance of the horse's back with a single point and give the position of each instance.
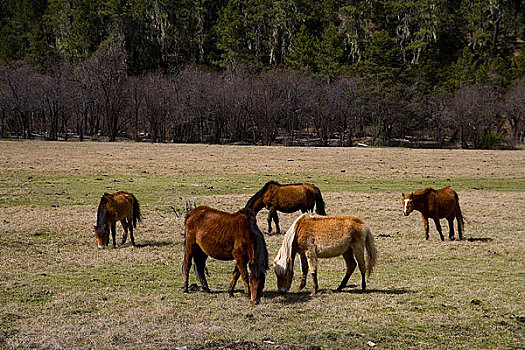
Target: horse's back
(446, 201)
(216, 232)
(292, 197)
(119, 204)
(331, 235)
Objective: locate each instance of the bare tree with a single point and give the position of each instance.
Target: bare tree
(514, 108)
(474, 108)
(106, 73)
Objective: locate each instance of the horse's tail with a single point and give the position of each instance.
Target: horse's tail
(199, 265)
(319, 202)
(199, 260)
(137, 215)
(371, 251)
(459, 215)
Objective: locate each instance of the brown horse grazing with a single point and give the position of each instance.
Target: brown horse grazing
(435, 204)
(314, 237)
(287, 199)
(226, 236)
(119, 206)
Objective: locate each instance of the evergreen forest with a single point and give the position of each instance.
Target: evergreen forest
(417, 73)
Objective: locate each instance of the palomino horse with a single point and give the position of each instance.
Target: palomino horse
(315, 237)
(119, 206)
(287, 199)
(435, 204)
(226, 236)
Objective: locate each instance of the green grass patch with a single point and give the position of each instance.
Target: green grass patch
(22, 188)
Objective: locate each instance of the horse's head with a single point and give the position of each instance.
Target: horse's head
(284, 273)
(256, 288)
(102, 235)
(408, 203)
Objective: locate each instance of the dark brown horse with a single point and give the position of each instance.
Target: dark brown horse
(287, 199)
(316, 237)
(435, 204)
(119, 206)
(226, 236)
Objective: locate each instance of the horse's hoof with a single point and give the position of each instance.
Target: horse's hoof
(452, 238)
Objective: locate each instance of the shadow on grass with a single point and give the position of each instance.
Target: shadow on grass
(300, 297)
(479, 239)
(288, 298)
(394, 291)
(154, 244)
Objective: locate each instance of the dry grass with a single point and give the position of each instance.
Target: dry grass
(59, 291)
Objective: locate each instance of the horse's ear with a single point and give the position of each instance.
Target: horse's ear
(403, 195)
(411, 195)
(95, 227)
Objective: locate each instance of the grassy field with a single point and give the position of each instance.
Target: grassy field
(57, 290)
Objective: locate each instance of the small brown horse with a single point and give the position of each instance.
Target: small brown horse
(119, 206)
(435, 204)
(314, 237)
(287, 199)
(226, 236)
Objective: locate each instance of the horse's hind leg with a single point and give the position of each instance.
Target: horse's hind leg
(350, 267)
(276, 220)
(199, 265)
(270, 214)
(235, 276)
(359, 253)
(186, 266)
(438, 227)
(130, 225)
(451, 228)
(125, 226)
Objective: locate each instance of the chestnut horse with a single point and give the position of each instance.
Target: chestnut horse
(315, 237)
(119, 206)
(287, 199)
(226, 236)
(435, 204)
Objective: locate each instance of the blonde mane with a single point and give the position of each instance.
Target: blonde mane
(285, 252)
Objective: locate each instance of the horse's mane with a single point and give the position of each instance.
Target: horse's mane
(102, 212)
(259, 194)
(424, 191)
(259, 265)
(285, 252)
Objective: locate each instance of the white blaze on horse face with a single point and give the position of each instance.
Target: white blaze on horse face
(405, 207)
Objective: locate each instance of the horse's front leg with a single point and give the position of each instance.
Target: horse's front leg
(235, 276)
(438, 227)
(114, 233)
(312, 264)
(425, 225)
(304, 268)
(245, 279)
